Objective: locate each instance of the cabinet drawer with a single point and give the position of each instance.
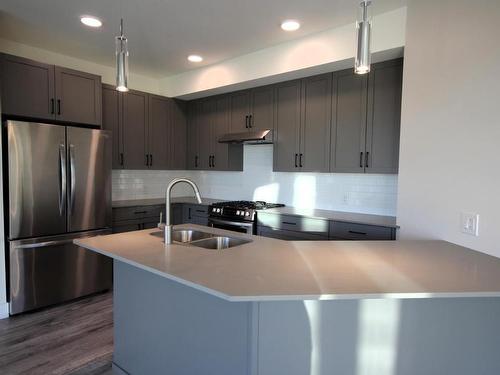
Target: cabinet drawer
(196, 210)
(138, 212)
(289, 235)
(351, 231)
(293, 223)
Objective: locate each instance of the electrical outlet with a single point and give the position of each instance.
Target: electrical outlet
(470, 224)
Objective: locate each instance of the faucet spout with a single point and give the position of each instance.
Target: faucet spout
(168, 223)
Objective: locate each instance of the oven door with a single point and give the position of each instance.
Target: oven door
(235, 226)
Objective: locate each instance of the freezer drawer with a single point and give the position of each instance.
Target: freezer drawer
(50, 270)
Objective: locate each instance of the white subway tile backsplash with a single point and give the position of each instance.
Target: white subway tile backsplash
(366, 193)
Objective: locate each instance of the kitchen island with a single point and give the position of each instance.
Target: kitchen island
(322, 307)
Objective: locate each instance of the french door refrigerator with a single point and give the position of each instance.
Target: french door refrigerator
(59, 189)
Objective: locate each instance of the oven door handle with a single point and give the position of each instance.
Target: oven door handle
(226, 222)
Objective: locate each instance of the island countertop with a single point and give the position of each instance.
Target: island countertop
(267, 269)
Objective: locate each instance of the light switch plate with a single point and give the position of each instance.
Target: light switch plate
(470, 223)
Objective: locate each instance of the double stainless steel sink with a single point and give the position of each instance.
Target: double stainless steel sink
(202, 239)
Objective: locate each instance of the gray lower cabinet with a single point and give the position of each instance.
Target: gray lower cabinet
(359, 232)
(40, 91)
(288, 235)
(128, 219)
(299, 224)
(195, 214)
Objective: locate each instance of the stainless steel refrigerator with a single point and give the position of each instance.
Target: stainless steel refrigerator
(59, 189)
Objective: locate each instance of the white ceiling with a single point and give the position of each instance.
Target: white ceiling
(162, 33)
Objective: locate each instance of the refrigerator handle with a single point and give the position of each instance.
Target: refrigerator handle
(72, 178)
(62, 179)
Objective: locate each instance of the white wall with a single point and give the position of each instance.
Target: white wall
(136, 81)
(326, 51)
(450, 138)
(374, 194)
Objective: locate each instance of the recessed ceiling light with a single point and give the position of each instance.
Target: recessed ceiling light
(290, 25)
(195, 58)
(91, 21)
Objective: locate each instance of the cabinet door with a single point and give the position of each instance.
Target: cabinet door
(240, 110)
(287, 126)
(135, 119)
(159, 137)
(204, 133)
(288, 235)
(111, 120)
(78, 96)
(384, 115)
(192, 158)
(316, 124)
(262, 108)
(178, 141)
(220, 126)
(349, 122)
(27, 88)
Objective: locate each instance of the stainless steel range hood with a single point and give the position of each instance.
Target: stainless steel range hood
(249, 137)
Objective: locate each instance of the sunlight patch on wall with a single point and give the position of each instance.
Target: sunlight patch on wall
(304, 191)
(267, 193)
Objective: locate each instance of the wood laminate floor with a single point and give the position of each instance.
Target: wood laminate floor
(75, 338)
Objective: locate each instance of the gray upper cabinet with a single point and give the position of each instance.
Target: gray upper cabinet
(209, 119)
(178, 137)
(159, 133)
(239, 103)
(47, 92)
(111, 120)
(287, 126)
(261, 114)
(349, 122)
(316, 114)
(383, 117)
(27, 88)
(78, 96)
(135, 120)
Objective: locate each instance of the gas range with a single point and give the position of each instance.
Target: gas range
(237, 215)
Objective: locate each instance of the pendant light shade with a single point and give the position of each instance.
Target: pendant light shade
(121, 61)
(363, 26)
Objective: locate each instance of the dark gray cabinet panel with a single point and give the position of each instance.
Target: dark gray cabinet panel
(287, 126)
(159, 134)
(239, 103)
(220, 126)
(384, 117)
(195, 214)
(288, 235)
(178, 140)
(128, 219)
(205, 122)
(359, 232)
(135, 119)
(294, 223)
(349, 122)
(316, 124)
(27, 88)
(262, 108)
(111, 120)
(192, 157)
(78, 96)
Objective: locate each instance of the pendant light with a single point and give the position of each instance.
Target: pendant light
(363, 26)
(121, 61)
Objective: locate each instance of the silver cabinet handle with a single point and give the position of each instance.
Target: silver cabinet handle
(62, 179)
(73, 177)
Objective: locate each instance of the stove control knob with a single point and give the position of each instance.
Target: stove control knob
(247, 213)
(214, 209)
(219, 210)
(237, 212)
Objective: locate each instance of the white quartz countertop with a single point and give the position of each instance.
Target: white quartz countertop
(268, 269)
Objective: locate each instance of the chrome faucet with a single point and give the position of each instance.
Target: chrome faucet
(168, 222)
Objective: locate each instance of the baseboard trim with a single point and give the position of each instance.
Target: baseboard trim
(4, 310)
(117, 370)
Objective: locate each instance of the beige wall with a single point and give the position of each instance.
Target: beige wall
(450, 137)
(136, 81)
